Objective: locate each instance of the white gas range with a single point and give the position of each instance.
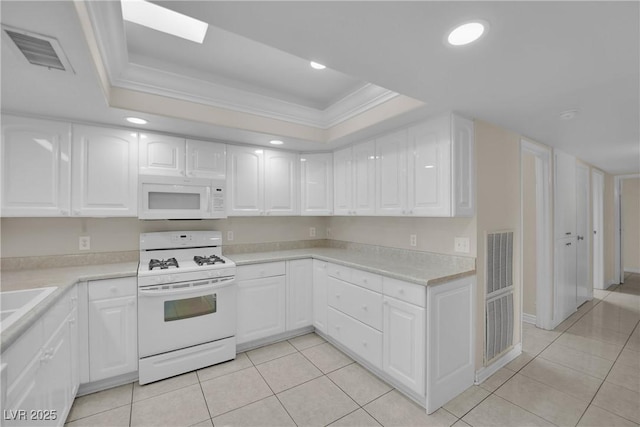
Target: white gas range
(186, 303)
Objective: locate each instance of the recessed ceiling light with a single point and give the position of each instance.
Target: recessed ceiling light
(317, 66)
(162, 19)
(137, 120)
(276, 142)
(467, 33)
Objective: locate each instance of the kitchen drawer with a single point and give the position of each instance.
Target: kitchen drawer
(340, 272)
(112, 288)
(404, 291)
(367, 280)
(357, 302)
(256, 271)
(363, 340)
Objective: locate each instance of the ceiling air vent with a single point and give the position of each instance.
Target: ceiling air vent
(38, 49)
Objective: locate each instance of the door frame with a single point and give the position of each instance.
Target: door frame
(588, 235)
(544, 248)
(598, 261)
(618, 271)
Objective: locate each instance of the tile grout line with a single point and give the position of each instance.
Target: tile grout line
(605, 379)
(204, 397)
(133, 386)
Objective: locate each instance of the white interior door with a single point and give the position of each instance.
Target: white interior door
(597, 186)
(585, 287)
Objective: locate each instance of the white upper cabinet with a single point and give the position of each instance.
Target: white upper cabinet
(391, 174)
(104, 172)
(162, 155)
(316, 184)
(35, 167)
(245, 194)
(261, 182)
(427, 169)
(463, 200)
(280, 183)
(565, 195)
(206, 159)
(172, 156)
(342, 182)
(354, 180)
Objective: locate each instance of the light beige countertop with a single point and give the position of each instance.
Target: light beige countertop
(63, 278)
(424, 269)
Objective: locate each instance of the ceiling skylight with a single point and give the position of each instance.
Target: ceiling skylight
(162, 19)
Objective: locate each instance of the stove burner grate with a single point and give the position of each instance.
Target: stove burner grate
(163, 264)
(208, 260)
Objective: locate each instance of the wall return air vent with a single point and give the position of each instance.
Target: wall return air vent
(37, 49)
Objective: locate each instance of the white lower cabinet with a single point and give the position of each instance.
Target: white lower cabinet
(113, 328)
(299, 293)
(262, 293)
(41, 370)
(403, 345)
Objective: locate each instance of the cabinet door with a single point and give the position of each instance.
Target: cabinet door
(206, 159)
(342, 182)
(463, 173)
(280, 183)
(316, 182)
(105, 172)
(162, 155)
(565, 195)
(261, 308)
(320, 278)
(245, 178)
(113, 339)
(403, 345)
(57, 371)
(299, 293)
(429, 157)
(364, 178)
(35, 167)
(391, 174)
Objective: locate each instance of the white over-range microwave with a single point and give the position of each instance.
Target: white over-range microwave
(168, 197)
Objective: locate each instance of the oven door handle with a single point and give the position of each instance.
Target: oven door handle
(185, 290)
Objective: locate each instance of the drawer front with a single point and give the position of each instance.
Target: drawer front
(367, 280)
(404, 291)
(112, 288)
(257, 271)
(364, 341)
(363, 304)
(340, 272)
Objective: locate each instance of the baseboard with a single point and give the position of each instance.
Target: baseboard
(529, 318)
(501, 362)
(95, 386)
(632, 270)
(250, 345)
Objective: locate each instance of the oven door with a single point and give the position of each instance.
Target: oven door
(179, 315)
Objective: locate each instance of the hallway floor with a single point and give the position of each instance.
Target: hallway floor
(586, 373)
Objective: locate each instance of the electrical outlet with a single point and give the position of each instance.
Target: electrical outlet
(84, 243)
(312, 232)
(461, 244)
(229, 235)
(413, 240)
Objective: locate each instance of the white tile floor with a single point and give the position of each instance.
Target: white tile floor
(586, 373)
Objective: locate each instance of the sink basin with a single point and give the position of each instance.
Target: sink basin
(15, 304)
